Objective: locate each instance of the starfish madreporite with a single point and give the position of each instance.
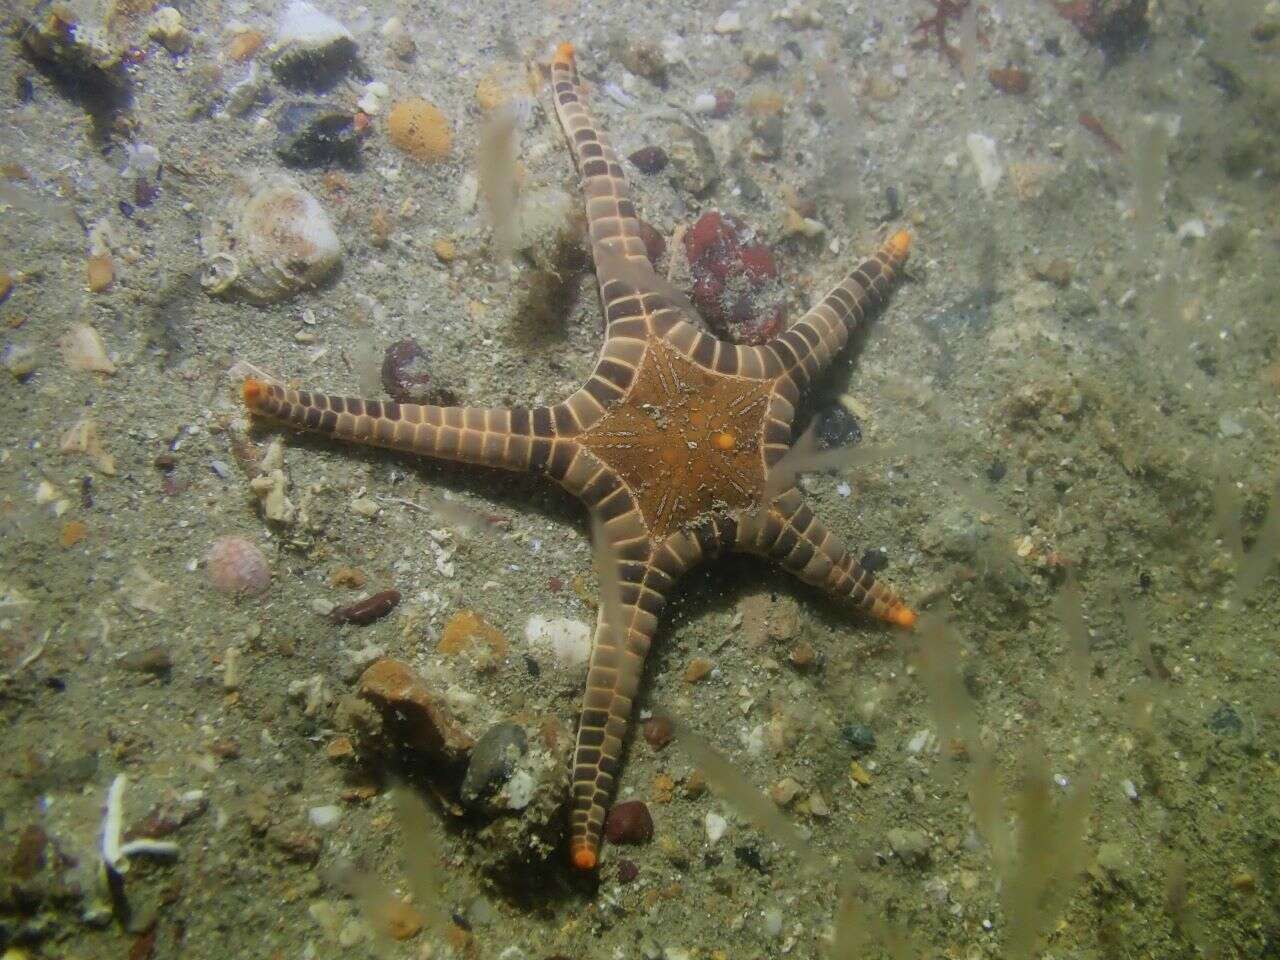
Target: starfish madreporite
(669, 444)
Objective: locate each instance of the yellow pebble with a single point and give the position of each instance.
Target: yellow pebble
(859, 774)
(446, 251)
(420, 130)
(101, 272)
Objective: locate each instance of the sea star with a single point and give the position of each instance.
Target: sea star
(669, 444)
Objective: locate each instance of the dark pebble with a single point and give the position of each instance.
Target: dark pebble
(316, 135)
(749, 856)
(368, 610)
(153, 660)
(145, 192)
(837, 427)
(1225, 722)
(493, 761)
(319, 70)
(29, 853)
(649, 159)
(405, 374)
(874, 560)
(860, 737)
(629, 822)
(627, 871)
(996, 471)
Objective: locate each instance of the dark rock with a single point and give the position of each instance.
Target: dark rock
(649, 159)
(316, 135)
(749, 856)
(837, 427)
(860, 737)
(629, 822)
(405, 374)
(493, 761)
(153, 660)
(1225, 722)
(627, 871)
(874, 560)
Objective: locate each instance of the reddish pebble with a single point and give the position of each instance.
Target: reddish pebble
(649, 159)
(405, 372)
(724, 103)
(1010, 80)
(236, 567)
(368, 610)
(629, 822)
(658, 731)
(627, 871)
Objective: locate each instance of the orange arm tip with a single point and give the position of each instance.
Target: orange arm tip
(899, 245)
(904, 617)
(564, 52)
(253, 391)
(584, 858)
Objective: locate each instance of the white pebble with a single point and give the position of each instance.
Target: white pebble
(568, 641)
(729, 22)
(716, 827)
(922, 741)
(704, 103)
(324, 817)
(982, 149)
(773, 921)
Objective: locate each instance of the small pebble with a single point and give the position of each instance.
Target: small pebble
(406, 374)
(658, 731)
(860, 737)
(325, 817)
(697, 670)
(716, 826)
(629, 822)
(728, 22)
(649, 159)
(493, 761)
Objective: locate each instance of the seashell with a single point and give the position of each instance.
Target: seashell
(236, 567)
(271, 241)
(312, 49)
(83, 349)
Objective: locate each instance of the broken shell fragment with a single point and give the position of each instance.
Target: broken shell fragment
(272, 241)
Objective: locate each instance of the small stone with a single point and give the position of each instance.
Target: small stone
(728, 22)
(409, 707)
(406, 374)
(986, 159)
(1230, 427)
(166, 27)
(629, 822)
(693, 161)
(697, 670)
(646, 59)
(20, 360)
(909, 845)
(101, 273)
(567, 641)
(628, 871)
(244, 44)
(154, 660)
(802, 655)
(83, 350)
(715, 825)
(492, 762)
(398, 38)
(1225, 722)
(316, 135)
(658, 732)
(859, 775)
(1053, 270)
(649, 159)
(446, 250)
(818, 805)
(325, 817)
(785, 791)
(860, 737)
(773, 922)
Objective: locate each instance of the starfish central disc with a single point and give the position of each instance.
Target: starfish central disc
(686, 442)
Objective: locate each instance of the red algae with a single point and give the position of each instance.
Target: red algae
(735, 279)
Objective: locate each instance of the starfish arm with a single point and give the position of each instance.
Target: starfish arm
(789, 533)
(644, 575)
(807, 348)
(537, 439)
